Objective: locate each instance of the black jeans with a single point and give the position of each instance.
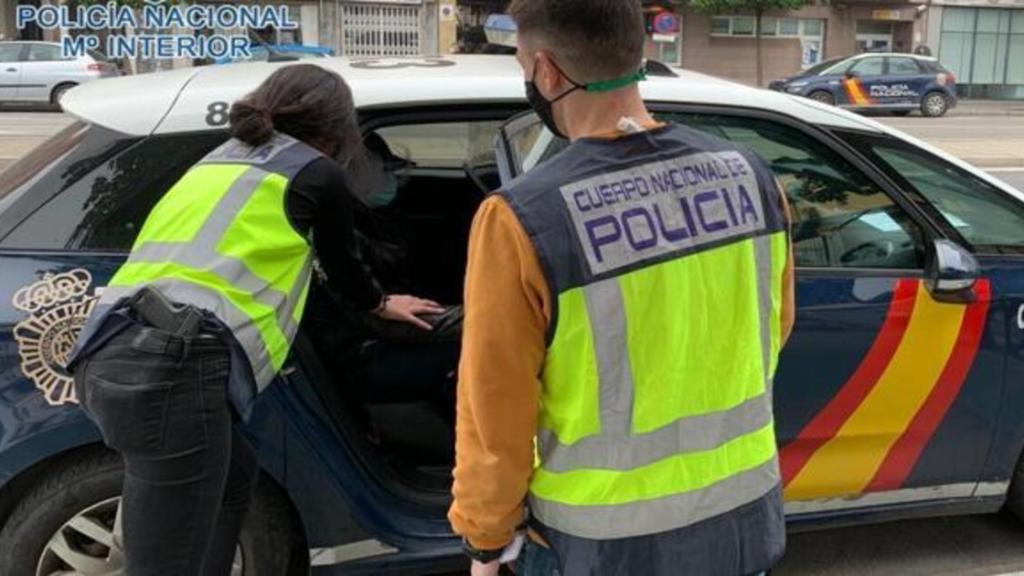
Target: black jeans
(189, 475)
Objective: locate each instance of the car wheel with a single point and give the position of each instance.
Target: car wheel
(59, 91)
(69, 523)
(934, 104)
(1015, 496)
(823, 96)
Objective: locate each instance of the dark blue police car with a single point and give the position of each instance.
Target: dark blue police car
(899, 393)
(899, 83)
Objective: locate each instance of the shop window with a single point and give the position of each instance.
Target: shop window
(743, 26)
(721, 26)
(811, 27)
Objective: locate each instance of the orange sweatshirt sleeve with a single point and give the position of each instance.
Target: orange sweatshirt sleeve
(507, 312)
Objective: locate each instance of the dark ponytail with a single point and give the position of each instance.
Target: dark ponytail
(250, 124)
(306, 102)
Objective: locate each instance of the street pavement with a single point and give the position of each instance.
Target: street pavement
(986, 141)
(968, 546)
(1013, 177)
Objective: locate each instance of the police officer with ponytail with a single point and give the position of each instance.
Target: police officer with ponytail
(201, 317)
(616, 374)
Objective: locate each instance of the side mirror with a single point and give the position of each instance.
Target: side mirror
(951, 272)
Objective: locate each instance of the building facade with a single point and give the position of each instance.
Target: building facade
(980, 41)
(353, 28)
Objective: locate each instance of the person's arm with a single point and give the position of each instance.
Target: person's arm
(788, 275)
(320, 204)
(504, 345)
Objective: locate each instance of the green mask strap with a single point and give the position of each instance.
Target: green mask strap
(612, 85)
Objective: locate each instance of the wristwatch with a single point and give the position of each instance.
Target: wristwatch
(481, 556)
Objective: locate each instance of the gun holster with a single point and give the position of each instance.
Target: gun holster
(155, 309)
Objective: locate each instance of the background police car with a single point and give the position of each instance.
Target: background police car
(899, 83)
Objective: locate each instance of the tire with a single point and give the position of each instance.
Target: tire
(58, 92)
(1015, 496)
(823, 96)
(88, 485)
(934, 104)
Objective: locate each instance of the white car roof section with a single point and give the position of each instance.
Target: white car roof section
(137, 104)
(128, 104)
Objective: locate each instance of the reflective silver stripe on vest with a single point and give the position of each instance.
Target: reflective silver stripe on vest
(659, 514)
(692, 434)
(607, 311)
(765, 277)
(230, 269)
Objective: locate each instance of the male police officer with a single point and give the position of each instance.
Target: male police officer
(625, 305)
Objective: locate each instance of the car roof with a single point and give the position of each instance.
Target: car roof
(182, 100)
(179, 100)
(900, 54)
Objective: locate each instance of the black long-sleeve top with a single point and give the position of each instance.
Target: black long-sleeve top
(319, 201)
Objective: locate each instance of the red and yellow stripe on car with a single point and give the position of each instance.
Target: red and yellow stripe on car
(871, 434)
(855, 92)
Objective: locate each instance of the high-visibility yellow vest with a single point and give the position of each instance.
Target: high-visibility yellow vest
(221, 240)
(667, 269)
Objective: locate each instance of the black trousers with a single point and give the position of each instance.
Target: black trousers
(161, 402)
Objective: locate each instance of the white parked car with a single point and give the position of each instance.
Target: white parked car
(38, 72)
(898, 394)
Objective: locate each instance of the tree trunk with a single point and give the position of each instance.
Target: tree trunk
(757, 42)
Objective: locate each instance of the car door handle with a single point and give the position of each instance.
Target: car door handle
(12, 69)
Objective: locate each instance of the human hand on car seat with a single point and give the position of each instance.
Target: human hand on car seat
(408, 309)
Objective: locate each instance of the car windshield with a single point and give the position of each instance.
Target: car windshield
(819, 67)
(838, 67)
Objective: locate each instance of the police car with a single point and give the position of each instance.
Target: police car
(897, 396)
(899, 83)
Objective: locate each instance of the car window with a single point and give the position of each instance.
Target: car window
(841, 219)
(43, 53)
(980, 212)
(442, 145)
(868, 66)
(10, 52)
(105, 209)
(904, 66)
(821, 66)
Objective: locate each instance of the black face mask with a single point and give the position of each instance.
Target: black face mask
(543, 107)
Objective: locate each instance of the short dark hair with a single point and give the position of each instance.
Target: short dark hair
(591, 40)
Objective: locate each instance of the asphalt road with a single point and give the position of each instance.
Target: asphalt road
(969, 546)
(1012, 177)
(958, 127)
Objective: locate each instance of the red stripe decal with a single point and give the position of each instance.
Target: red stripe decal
(904, 454)
(825, 425)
